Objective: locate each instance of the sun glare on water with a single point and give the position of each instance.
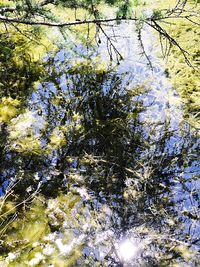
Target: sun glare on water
(127, 250)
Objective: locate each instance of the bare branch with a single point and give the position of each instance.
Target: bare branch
(46, 2)
(60, 24)
(7, 9)
(110, 43)
(143, 49)
(171, 40)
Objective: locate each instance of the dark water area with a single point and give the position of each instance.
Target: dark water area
(101, 167)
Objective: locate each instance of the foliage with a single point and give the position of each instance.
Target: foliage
(17, 68)
(8, 108)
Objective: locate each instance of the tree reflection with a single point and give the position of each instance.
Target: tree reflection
(87, 172)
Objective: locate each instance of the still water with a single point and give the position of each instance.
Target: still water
(101, 164)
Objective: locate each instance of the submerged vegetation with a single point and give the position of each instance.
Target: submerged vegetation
(185, 78)
(96, 168)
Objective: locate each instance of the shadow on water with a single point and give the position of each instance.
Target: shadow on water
(103, 168)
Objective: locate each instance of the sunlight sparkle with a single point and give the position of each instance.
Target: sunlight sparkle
(127, 250)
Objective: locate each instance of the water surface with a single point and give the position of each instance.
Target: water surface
(102, 155)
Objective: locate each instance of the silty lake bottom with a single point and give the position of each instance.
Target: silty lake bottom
(100, 168)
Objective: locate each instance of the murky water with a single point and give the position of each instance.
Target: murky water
(107, 151)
